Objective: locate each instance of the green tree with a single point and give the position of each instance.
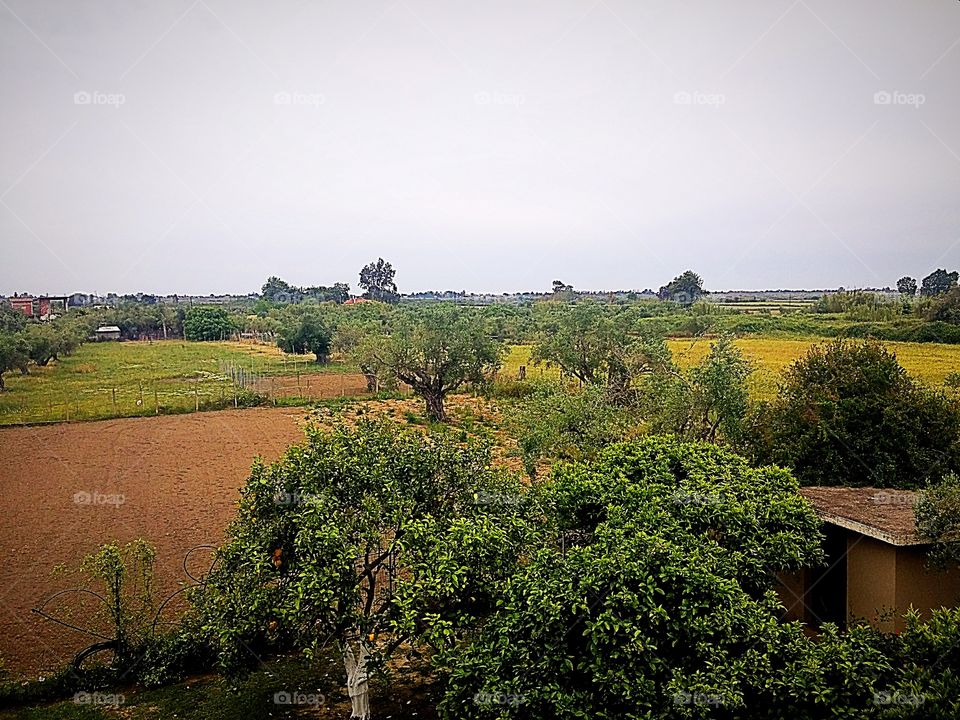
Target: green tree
(597, 345)
(11, 320)
(305, 330)
(685, 289)
(377, 279)
(708, 401)
(938, 519)
(558, 422)
(14, 354)
(436, 351)
(659, 601)
(939, 282)
(848, 414)
(907, 286)
(373, 537)
(207, 323)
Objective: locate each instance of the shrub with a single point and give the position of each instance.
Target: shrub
(848, 414)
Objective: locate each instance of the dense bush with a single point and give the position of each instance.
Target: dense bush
(848, 414)
(207, 323)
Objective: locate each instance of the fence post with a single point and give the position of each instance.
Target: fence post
(113, 392)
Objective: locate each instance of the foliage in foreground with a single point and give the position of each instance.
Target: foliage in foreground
(665, 607)
(363, 539)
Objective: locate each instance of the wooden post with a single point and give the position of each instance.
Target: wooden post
(113, 392)
(196, 395)
(156, 400)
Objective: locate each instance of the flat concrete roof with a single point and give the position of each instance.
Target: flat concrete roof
(880, 513)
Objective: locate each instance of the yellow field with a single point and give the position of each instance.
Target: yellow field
(930, 362)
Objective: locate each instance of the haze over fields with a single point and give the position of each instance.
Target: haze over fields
(197, 146)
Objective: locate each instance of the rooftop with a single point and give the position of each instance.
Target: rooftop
(879, 513)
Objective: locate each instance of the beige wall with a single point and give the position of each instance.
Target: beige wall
(871, 581)
(925, 589)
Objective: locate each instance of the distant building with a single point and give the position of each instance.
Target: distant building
(24, 304)
(356, 301)
(876, 563)
(42, 308)
(107, 332)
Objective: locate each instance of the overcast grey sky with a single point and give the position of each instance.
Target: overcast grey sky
(199, 146)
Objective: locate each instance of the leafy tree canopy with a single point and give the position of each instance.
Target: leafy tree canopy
(685, 289)
(207, 323)
(938, 282)
(377, 279)
(848, 414)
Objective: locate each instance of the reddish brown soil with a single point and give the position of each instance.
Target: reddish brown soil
(317, 386)
(179, 477)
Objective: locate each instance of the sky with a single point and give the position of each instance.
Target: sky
(200, 146)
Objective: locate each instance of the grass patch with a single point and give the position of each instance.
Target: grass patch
(106, 380)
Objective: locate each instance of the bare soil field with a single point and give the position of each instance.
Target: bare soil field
(60, 485)
(317, 386)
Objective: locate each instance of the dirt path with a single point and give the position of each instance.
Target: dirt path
(60, 491)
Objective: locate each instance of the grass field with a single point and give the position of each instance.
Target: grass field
(104, 380)
(929, 362)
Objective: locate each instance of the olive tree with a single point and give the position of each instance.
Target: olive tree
(596, 344)
(370, 537)
(14, 354)
(938, 519)
(435, 351)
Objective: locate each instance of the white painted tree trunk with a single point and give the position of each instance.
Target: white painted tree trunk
(357, 686)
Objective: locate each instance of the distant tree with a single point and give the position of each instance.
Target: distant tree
(938, 519)
(14, 354)
(435, 351)
(848, 414)
(207, 323)
(562, 290)
(939, 282)
(305, 331)
(685, 289)
(595, 344)
(907, 286)
(377, 279)
(278, 290)
(11, 320)
(946, 307)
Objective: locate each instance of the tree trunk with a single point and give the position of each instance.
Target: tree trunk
(434, 400)
(2, 386)
(357, 684)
